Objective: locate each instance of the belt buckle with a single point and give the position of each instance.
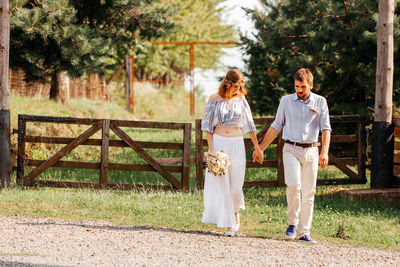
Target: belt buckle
(294, 143)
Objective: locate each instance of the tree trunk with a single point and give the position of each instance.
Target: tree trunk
(5, 159)
(383, 138)
(54, 86)
(63, 83)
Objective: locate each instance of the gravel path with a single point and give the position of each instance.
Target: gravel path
(26, 241)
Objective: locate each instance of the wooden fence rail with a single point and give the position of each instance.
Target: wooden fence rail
(106, 126)
(342, 163)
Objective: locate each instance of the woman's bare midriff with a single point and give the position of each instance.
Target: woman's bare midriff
(228, 131)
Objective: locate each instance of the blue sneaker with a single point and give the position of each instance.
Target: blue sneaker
(307, 238)
(291, 231)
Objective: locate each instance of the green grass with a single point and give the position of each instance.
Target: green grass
(336, 220)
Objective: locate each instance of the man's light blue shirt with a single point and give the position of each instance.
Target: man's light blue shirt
(301, 120)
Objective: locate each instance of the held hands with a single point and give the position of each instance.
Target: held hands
(258, 155)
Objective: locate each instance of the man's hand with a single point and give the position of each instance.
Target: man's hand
(323, 156)
(323, 160)
(258, 156)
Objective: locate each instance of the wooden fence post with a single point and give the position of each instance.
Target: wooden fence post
(105, 141)
(187, 134)
(5, 160)
(361, 150)
(21, 149)
(199, 155)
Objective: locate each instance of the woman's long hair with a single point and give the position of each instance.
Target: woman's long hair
(234, 76)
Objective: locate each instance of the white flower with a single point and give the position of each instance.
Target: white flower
(217, 164)
(314, 110)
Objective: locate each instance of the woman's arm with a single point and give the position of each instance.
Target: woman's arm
(257, 150)
(210, 142)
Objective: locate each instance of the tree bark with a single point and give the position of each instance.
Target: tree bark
(63, 83)
(383, 138)
(54, 86)
(5, 159)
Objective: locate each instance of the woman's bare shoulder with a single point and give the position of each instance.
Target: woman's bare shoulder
(214, 97)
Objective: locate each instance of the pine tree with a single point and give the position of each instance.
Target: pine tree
(50, 36)
(336, 40)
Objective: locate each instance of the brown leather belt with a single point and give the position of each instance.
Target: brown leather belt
(303, 145)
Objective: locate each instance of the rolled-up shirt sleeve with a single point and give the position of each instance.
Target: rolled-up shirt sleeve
(325, 123)
(247, 121)
(279, 121)
(207, 124)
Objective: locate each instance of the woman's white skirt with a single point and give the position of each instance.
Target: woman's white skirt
(223, 195)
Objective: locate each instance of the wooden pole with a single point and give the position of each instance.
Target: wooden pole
(132, 100)
(5, 159)
(382, 131)
(127, 82)
(191, 46)
(191, 79)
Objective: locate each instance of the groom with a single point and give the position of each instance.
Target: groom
(301, 116)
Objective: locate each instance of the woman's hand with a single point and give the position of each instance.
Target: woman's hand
(258, 155)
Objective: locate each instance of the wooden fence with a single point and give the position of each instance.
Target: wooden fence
(396, 155)
(105, 142)
(347, 153)
(340, 159)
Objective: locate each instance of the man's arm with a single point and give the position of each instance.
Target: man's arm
(270, 136)
(323, 156)
(273, 130)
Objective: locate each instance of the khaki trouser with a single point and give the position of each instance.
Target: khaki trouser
(301, 168)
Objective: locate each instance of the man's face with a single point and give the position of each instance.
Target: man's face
(303, 89)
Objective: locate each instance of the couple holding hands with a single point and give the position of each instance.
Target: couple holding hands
(301, 116)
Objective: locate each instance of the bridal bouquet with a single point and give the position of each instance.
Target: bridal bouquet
(217, 163)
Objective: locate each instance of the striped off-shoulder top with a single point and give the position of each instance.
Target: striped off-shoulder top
(234, 112)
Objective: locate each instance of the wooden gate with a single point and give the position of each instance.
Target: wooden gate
(356, 155)
(396, 154)
(104, 165)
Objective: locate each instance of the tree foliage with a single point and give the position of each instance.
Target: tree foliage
(49, 36)
(336, 40)
(195, 20)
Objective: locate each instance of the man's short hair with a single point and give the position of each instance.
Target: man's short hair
(304, 74)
